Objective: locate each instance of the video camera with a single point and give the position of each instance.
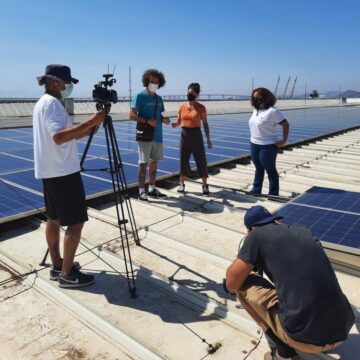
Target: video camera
(102, 95)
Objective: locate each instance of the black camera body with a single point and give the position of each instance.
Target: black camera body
(104, 96)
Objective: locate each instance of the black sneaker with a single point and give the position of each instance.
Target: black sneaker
(205, 190)
(156, 193)
(54, 273)
(75, 280)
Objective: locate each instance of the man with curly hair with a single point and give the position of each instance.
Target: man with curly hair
(147, 108)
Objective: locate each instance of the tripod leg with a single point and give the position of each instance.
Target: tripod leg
(87, 148)
(121, 179)
(43, 261)
(120, 197)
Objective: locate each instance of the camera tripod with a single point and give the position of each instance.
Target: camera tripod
(121, 192)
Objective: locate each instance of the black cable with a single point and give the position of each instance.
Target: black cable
(255, 346)
(211, 348)
(159, 221)
(22, 291)
(60, 227)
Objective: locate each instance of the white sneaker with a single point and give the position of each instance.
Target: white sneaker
(143, 196)
(181, 188)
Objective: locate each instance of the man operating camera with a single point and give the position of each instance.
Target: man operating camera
(57, 164)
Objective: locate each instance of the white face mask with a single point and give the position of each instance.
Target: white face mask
(67, 91)
(153, 87)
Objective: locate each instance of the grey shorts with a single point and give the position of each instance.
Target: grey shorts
(150, 150)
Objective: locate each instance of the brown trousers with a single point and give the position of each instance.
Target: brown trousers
(261, 296)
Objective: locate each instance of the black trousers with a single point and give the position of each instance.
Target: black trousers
(191, 142)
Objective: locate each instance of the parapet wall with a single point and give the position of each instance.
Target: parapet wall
(121, 109)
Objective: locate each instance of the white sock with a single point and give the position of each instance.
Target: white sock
(151, 188)
(141, 190)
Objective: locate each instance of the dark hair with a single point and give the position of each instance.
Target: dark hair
(153, 72)
(195, 87)
(269, 99)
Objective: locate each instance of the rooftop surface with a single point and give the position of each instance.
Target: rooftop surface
(187, 242)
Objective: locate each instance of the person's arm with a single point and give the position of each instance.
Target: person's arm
(285, 130)
(78, 131)
(236, 274)
(206, 129)
(166, 120)
(133, 115)
(178, 121)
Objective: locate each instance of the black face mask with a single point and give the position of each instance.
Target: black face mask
(191, 97)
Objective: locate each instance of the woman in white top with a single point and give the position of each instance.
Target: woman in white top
(263, 142)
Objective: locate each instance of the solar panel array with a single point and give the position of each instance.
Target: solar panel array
(333, 215)
(229, 134)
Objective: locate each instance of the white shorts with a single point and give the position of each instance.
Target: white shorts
(150, 150)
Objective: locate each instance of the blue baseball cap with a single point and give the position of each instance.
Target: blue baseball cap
(258, 215)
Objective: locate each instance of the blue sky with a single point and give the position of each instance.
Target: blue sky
(224, 45)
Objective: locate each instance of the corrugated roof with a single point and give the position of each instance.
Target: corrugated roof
(187, 243)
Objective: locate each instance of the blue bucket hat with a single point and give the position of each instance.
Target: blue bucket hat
(57, 72)
(258, 215)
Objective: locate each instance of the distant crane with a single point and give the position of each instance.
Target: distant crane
(293, 88)
(287, 84)
(277, 84)
(130, 86)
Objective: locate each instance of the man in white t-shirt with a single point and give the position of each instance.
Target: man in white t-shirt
(57, 165)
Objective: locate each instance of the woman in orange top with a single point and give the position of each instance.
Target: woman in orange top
(190, 117)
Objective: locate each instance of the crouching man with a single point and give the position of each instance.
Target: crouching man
(302, 307)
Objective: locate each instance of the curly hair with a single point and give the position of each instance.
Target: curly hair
(195, 87)
(269, 99)
(155, 73)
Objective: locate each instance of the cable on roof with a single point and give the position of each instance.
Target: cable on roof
(17, 277)
(62, 228)
(322, 156)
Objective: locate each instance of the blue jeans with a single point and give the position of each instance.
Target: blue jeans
(264, 158)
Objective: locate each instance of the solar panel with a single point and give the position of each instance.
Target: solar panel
(13, 163)
(16, 202)
(328, 225)
(229, 133)
(11, 145)
(27, 180)
(99, 168)
(331, 198)
(333, 215)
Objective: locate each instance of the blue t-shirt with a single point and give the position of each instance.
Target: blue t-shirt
(145, 105)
